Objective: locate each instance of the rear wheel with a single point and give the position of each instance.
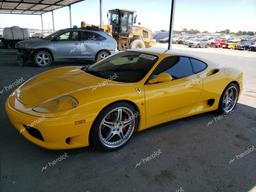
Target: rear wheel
(114, 127)
(101, 55)
(228, 99)
(137, 44)
(43, 58)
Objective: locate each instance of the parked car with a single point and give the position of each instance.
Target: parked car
(66, 44)
(78, 110)
(161, 37)
(245, 44)
(164, 40)
(252, 47)
(217, 43)
(187, 40)
(198, 43)
(232, 44)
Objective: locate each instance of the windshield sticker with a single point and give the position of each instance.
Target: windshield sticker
(149, 57)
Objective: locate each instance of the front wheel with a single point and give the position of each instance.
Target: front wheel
(114, 127)
(43, 58)
(228, 99)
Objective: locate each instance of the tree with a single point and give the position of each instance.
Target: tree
(227, 31)
(239, 33)
(250, 33)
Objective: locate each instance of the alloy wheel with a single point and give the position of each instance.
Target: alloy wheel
(43, 59)
(229, 99)
(117, 127)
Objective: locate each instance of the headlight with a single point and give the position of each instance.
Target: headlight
(60, 104)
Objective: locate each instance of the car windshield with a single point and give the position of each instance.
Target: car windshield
(128, 66)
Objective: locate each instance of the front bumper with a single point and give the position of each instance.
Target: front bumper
(56, 133)
(25, 56)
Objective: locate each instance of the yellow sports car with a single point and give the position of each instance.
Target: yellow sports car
(103, 104)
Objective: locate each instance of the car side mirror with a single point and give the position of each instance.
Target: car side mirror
(161, 78)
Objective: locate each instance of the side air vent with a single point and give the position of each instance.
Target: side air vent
(34, 132)
(210, 102)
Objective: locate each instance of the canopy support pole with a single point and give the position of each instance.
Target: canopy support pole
(100, 13)
(70, 16)
(171, 24)
(42, 23)
(53, 25)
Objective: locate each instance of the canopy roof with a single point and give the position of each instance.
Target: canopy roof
(32, 7)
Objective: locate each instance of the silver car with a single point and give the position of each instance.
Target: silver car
(66, 44)
(198, 43)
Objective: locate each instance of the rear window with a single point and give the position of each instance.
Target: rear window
(197, 65)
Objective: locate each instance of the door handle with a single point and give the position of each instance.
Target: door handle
(212, 72)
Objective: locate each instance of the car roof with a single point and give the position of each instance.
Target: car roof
(81, 29)
(159, 51)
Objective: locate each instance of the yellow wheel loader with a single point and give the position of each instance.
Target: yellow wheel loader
(121, 27)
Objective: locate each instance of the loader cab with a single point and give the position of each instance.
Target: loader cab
(121, 21)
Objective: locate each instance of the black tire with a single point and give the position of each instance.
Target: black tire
(42, 58)
(5, 45)
(95, 138)
(221, 109)
(137, 44)
(101, 55)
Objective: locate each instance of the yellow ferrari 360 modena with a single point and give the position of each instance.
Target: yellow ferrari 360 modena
(103, 104)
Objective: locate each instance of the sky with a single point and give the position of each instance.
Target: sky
(210, 15)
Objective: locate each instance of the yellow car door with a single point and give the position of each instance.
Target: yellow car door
(173, 99)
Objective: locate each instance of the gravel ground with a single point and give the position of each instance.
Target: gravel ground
(197, 154)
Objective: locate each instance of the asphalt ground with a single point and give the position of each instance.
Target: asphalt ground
(203, 153)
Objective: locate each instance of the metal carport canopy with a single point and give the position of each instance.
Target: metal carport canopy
(33, 7)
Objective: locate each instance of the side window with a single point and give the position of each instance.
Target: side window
(64, 36)
(176, 66)
(197, 65)
(72, 36)
(85, 36)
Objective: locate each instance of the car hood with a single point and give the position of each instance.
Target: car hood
(31, 43)
(58, 82)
